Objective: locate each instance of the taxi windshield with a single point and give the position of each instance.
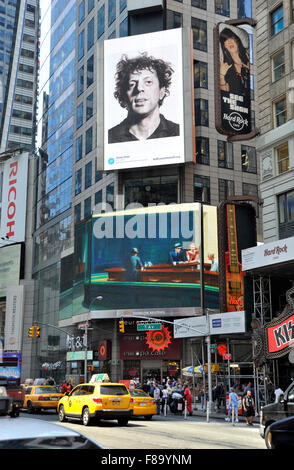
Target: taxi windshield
(46, 390)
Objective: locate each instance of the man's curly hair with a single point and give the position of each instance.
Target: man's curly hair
(127, 66)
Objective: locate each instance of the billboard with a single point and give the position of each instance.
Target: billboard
(10, 267)
(145, 260)
(143, 86)
(232, 80)
(14, 318)
(276, 252)
(14, 198)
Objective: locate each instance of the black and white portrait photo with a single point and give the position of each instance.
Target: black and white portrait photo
(143, 100)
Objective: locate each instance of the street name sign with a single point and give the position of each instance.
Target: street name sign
(148, 326)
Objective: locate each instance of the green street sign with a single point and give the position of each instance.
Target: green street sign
(213, 346)
(148, 326)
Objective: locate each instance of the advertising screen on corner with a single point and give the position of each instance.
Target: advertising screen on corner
(143, 100)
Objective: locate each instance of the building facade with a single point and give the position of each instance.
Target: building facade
(70, 184)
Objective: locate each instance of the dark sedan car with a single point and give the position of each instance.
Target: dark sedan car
(281, 433)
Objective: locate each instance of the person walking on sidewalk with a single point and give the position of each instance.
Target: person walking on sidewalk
(156, 395)
(188, 399)
(233, 406)
(164, 398)
(249, 407)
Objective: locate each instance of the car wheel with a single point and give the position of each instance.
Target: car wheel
(148, 417)
(30, 407)
(122, 421)
(266, 438)
(61, 414)
(86, 416)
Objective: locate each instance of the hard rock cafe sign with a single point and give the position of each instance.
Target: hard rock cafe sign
(276, 338)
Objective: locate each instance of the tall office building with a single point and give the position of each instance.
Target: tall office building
(19, 49)
(275, 55)
(71, 184)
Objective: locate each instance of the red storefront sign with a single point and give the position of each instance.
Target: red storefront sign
(135, 346)
(104, 350)
(280, 336)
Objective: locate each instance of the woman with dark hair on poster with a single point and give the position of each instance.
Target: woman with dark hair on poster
(234, 64)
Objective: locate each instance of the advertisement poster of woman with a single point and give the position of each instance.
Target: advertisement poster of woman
(143, 86)
(234, 79)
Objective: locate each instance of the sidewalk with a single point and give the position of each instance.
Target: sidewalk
(220, 414)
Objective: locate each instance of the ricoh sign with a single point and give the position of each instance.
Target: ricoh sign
(14, 196)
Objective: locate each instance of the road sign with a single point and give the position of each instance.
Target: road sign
(148, 326)
(213, 346)
(83, 325)
(227, 356)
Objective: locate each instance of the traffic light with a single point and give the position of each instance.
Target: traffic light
(90, 368)
(121, 326)
(38, 330)
(31, 332)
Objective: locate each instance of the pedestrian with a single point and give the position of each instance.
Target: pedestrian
(278, 392)
(64, 387)
(249, 387)
(156, 395)
(202, 398)
(233, 406)
(188, 399)
(217, 393)
(164, 399)
(249, 407)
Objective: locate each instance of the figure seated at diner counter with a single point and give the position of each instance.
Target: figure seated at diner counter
(192, 254)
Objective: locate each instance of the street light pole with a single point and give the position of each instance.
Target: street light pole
(99, 297)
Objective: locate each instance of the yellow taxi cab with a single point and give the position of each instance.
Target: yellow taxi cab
(38, 397)
(143, 404)
(97, 400)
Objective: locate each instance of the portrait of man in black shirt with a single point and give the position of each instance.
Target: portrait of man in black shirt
(141, 85)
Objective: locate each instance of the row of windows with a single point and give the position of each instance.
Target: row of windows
(111, 9)
(278, 63)
(222, 7)
(160, 189)
(97, 200)
(88, 172)
(89, 111)
(225, 155)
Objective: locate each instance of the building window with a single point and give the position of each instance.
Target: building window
(248, 157)
(87, 207)
(80, 81)
(201, 112)
(80, 115)
(78, 182)
(286, 214)
(110, 195)
(98, 197)
(101, 21)
(244, 8)
(280, 112)
(123, 28)
(88, 175)
(202, 189)
(282, 158)
(199, 28)
(174, 19)
(89, 140)
(89, 106)
(90, 34)
(122, 5)
(90, 71)
(277, 20)
(225, 154)
(249, 189)
(81, 45)
(152, 190)
(90, 5)
(226, 188)
(200, 74)
(111, 11)
(278, 65)
(202, 150)
(222, 7)
(79, 148)
(77, 213)
(81, 12)
(199, 4)
(98, 174)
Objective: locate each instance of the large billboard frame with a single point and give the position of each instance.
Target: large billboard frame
(232, 136)
(157, 146)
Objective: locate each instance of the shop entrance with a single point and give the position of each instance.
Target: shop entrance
(151, 370)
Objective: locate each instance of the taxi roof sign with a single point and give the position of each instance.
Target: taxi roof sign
(100, 378)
